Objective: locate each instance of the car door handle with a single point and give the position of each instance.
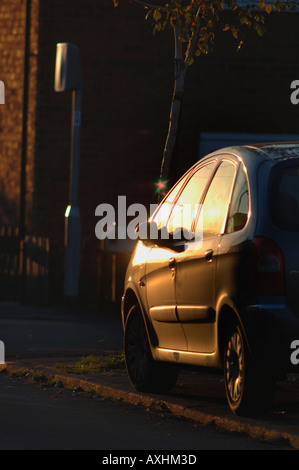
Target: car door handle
(172, 263)
(209, 255)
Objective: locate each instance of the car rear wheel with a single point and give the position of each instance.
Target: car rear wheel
(248, 390)
(145, 374)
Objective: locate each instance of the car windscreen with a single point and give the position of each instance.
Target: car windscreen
(285, 198)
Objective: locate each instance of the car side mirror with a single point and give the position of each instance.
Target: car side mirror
(149, 232)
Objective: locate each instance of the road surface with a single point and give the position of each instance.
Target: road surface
(35, 417)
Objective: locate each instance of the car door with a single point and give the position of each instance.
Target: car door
(196, 266)
(234, 250)
(160, 281)
(162, 262)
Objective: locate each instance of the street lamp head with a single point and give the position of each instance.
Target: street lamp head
(68, 74)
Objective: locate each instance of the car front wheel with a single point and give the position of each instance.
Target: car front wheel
(145, 374)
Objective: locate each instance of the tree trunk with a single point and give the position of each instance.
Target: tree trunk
(176, 107)
(181, 67)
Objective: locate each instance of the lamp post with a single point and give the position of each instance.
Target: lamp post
(68, 78)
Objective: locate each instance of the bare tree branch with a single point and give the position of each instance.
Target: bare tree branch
(150, 5)
(193, 41)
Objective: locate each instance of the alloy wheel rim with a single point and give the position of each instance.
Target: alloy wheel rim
(235, 366)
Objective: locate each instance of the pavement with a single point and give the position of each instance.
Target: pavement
(41, 340)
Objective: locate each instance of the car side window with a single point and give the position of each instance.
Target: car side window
(186, 207)
(285, 198)
(162, 215)
(239, 207)
(214, 210)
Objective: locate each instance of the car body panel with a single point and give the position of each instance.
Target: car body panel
(160, 288)
(195, 295)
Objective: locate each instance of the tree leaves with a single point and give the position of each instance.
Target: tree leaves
(204, 17)
(157, 15)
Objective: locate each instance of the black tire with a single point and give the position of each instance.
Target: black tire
(145, 374)
(249, 392)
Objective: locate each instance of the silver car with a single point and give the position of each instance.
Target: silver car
(215, 281)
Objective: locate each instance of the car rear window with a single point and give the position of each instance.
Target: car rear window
(285, 198)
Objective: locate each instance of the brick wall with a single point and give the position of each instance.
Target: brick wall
(127, 80)
(12, 45)
(12, 21)
(126, 88)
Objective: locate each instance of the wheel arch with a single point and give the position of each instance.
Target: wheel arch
(129, 300)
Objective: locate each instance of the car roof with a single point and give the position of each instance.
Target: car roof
(274, 151)
(278, 150)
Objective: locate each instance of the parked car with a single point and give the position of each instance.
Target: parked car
(217, 285)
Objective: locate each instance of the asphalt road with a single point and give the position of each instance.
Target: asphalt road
(40, 418)
(31, 328)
